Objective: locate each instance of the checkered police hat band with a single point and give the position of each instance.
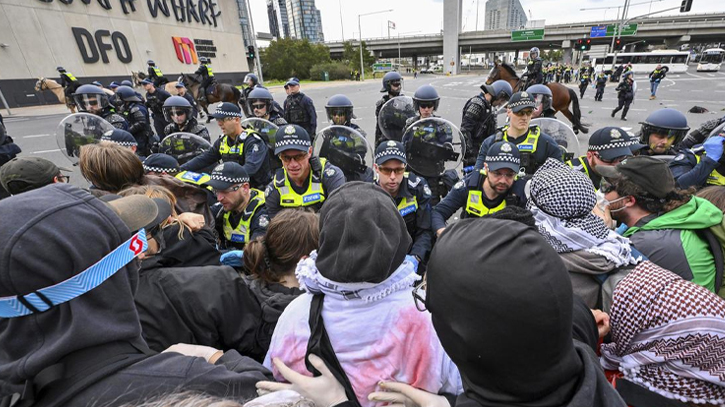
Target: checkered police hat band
(219, 177)
(121, 143)
(502, 159)
(389, 152)
(293, 142)
(522, 102)
(158, 169)
(227, 113)
(610, 146)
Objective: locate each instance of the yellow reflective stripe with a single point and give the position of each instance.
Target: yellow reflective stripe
(225, 149)
(70, 76)
(531, 142)
(406, 206)
(241, 233)
(209, 71)
(715, 178)
(476, 207)
(315, 194)
(157, 71)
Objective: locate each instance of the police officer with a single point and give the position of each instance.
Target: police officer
(155, 99)
(339, 111)
(608, 146)
(179, 114)
(242, 215)
(260, 103)
(410, 192)
(392, 87)
(207, 77)
(702, 165)
(543, 97)
(243, 146)
(699, 135)
(159, 164)
(425, 103)
(304, 180)
(122, 138)
(479, 117)
(601, 84)
(662, 131)
(534, 145)
(155, 74)
(92, 99)
(485, 191)
(584, 80)
(625, 94)
(534, 72)
(138, 119)
(69, 82)
(183, 92)
(299, 109)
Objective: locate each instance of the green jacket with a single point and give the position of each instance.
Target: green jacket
(672, 242)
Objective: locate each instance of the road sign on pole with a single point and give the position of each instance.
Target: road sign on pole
(382, 67)
(527, 35)
(598, 31)
(626, 30)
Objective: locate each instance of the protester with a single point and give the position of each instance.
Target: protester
(85, 345)
(486, 273)
(358, 310)
(22, 174)
(665, 341)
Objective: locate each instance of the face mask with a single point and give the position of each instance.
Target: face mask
(606, 203)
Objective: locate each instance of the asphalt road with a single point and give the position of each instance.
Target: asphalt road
(36, 134)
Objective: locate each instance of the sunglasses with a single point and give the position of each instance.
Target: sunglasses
(419, 296)
(613, 161)
(395, 83)
(177, 114)
(259, 107)
(297, 158)
(426, 105)
(525, 112)
(228, 190)
(388, 170)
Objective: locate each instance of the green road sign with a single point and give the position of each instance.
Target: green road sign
(382, 67)
(627, 30)
(527, 35)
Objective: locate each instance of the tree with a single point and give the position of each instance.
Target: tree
(351, 56)
(289, 57)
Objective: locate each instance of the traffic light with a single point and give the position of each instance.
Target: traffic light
(686, 6)
(584, 44)
(618, 44)
(587, 44)
(250, 51)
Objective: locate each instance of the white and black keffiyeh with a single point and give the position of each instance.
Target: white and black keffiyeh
(562, 200)
(668, 335)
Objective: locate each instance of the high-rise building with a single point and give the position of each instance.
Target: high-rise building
(277, 15)
(273, 21)
(304, 20)
(246, 22)
(504, 14)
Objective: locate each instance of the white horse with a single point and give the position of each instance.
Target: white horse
(138, 76)
(53, 86)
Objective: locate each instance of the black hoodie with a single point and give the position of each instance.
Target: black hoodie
(51, 234)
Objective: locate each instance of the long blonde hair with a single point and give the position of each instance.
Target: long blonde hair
(157, 191)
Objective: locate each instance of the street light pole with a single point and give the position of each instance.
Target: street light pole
(359, 27)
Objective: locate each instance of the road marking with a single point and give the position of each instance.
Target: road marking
(37, 136)
(638, 110)
(46, 151)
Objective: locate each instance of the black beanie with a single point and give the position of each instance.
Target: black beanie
(363, 238)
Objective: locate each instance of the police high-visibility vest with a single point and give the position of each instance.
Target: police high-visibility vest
(240, 234)
(715, 178)
(70, 76)
(408, 206)
(194, 178)
(581, 162)
(288, 198)
(209, 71)
(531, 142)
(157, 71)
(474, 203)
(231, 153)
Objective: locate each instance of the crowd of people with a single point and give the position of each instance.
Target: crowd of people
(263, 269)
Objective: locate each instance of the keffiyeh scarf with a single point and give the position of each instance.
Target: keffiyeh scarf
(668, 335)
(562, 200)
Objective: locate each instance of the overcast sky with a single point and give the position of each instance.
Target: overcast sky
(416, 17)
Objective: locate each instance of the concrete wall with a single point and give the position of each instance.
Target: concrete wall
(39, 37)
(452, 11)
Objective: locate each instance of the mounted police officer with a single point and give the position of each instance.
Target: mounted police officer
(607, 147)
(138, 119)
(543, 97)
(241, 215)
(155, 74)
(69, 82)
(243, 146)
(252, 82)
(479, 116)
(425, 103)
(487, 190)
(261, 103)
(299, 109)
(155, 99)
(410, 192)
(601, 84)
(392, 87)
(178, 112)
(534, 145)
(662, 131)
(207, 77)
(534, 74)
(304, 180)
(183, 92)
(339, 111)
(92, 99)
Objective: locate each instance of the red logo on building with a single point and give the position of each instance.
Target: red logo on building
(185, 50)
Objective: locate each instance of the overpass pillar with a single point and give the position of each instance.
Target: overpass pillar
(415, 62)
(567, 55)
(452, 12)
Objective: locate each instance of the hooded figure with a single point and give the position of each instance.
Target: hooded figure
(358, 314)
(501, 304)
(89, 348)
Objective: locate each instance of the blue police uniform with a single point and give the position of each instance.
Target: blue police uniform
(536, 143)
(692, 169)
(234, 229)
(154, 102)
(299, 110)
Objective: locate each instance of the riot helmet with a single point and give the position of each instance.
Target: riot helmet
(500, 91)
(394, 78)
(339, 106)
(250, 77)
(534, 53)
(426, 95)
(151, 62)
(177, 110)
(542, 96)
(127, 83)
(90, 98)
(127, 94)
(259, 96)
(60, 69)
(204, 60)
(666, 122)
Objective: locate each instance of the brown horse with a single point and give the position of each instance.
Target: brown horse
(53, 86)
(138, 76)
(562, 95)
(221, 92)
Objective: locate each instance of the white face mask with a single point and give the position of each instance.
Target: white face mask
(605, 203)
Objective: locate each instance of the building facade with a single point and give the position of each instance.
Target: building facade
(277, 15)
(107, 40)
(305, 20)
(504, 15)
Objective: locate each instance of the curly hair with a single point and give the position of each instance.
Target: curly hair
(678, 197)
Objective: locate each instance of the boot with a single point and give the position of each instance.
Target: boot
(614, 112)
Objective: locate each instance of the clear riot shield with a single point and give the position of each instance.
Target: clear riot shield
(393, 116)
(79, 129)
(562, 134)
(183, 146)
(717, 130)
(347, 149)
(266, 129)
(433, 145)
